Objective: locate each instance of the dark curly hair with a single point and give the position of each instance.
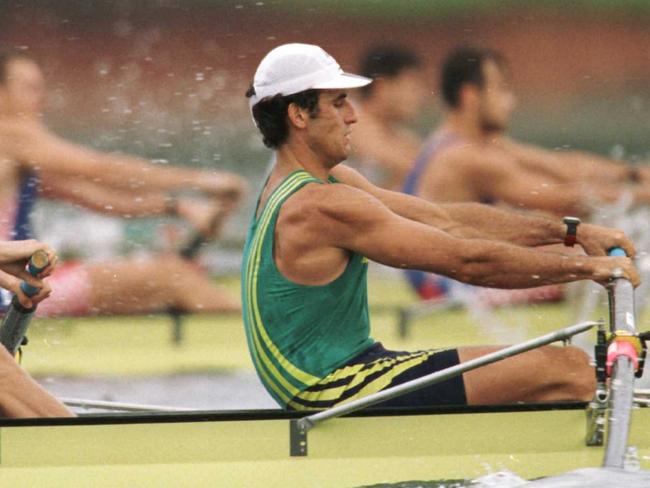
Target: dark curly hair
(270, 114)
(465, 66)
(386, 61)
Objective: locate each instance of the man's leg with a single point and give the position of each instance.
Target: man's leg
(140, 285)
(546, 374)
(133, 286)
(21, 396)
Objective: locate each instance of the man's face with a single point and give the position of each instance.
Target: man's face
(329, 132)
(407, 92)
(23, 93)
(496, 99)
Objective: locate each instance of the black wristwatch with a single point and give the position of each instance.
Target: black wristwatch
(571, 236)
(633, 174)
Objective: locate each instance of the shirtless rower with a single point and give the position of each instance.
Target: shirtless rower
(469, 159)
(384, 146)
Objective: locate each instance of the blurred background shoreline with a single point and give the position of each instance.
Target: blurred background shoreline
(165, 79)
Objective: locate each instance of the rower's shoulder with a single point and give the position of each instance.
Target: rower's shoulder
(320, 201)
(475, 156)
(13, 131)
(15, 125)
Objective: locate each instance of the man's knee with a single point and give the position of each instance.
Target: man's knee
(578, 373)
(9, 369)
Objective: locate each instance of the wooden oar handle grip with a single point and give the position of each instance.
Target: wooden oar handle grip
(37, 263)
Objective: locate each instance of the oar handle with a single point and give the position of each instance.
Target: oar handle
(37, 263)
(16, 320)
(621, 299)
(193, 246)
(616, 252)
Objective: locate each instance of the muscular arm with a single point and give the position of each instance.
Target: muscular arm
(36, 148)
(357, 221)
(474, 220)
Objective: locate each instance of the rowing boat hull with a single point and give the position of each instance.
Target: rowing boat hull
(252, 449)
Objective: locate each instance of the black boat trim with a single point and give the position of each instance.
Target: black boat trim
(268, 414)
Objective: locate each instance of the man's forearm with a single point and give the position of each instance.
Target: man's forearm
(478, 221)
(524, 229)
(475, 220)
(499, 265)
(103, 199)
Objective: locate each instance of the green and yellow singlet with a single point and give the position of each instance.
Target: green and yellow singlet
(298, 334)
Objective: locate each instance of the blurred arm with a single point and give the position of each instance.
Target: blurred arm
(567, 166)
(36, 148)
(501, 177)
(100, 198)
(395, 153)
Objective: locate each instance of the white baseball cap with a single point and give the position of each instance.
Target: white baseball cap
(292, 68)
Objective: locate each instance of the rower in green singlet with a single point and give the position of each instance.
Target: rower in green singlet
(317, 223)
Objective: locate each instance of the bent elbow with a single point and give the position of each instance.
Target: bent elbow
(474, 266)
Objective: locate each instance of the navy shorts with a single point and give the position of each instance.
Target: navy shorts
(377, 369)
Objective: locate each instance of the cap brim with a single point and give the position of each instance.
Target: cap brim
(343, 80)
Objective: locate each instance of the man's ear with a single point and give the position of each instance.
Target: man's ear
(297, 116)
(469, 95)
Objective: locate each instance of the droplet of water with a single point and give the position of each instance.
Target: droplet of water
(631, 461)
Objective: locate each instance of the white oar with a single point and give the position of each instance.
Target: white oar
(123, 407)
(621, 310)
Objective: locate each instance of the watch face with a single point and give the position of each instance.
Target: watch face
(571, 220)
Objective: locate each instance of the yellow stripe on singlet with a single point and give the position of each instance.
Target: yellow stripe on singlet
(274, 378)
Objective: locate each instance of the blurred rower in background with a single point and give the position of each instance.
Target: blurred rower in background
(383, 143)
(35, 162)
(469, 159)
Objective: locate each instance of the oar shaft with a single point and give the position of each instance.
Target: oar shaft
(445, 374)
(622, 306)
(622, 401)
(119, 406)
(15, 324)
(621, 302)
